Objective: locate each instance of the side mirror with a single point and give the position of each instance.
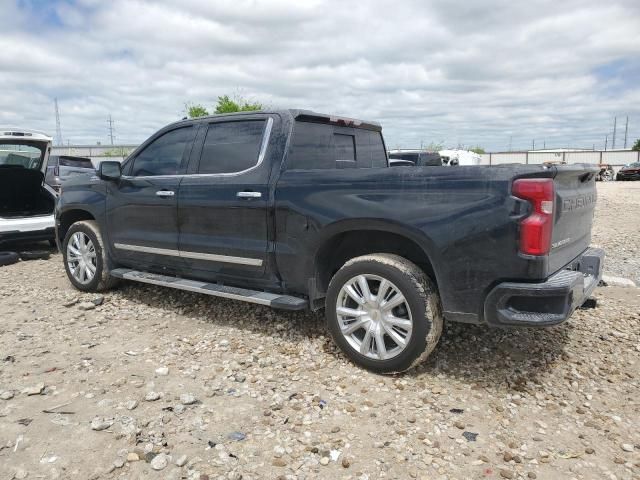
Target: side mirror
(110, 170)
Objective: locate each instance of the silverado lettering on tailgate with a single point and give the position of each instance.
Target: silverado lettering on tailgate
(579, 201)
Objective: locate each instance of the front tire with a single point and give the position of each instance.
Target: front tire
(384, 312)
(85, 258)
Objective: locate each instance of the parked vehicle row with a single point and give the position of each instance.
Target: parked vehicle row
(629, 172)
(295, 209)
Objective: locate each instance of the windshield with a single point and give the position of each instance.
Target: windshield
(634, 165)
(76, 162)
(21, 155)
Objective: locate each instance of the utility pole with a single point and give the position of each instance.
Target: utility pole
(533, 144)
(510, 141)
(58, 128)
(615, 119)
(626, 130)
(606, 141)
(110, 121)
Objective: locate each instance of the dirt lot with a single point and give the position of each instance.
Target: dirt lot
(152, 378)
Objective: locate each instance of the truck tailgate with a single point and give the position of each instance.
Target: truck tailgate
(575, 190)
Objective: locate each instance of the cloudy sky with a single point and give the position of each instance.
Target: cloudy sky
(485, 73)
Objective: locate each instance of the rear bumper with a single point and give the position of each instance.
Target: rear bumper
(548, 303)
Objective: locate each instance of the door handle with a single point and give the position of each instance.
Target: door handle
(248, 194)
(165, 193)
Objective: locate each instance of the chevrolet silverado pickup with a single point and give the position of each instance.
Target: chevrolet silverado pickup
(295, 209)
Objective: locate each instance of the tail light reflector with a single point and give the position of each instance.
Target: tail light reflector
(536, 228)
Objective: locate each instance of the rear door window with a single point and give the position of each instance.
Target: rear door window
(231, 147)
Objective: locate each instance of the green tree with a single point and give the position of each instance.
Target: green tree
(477, 149)
(225, 104)
(195, 110)
(636, 146)
(238, 104)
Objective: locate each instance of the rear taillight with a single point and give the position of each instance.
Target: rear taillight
(536, 229)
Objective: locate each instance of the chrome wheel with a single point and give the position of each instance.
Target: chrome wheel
(81, 258)
(374, 316)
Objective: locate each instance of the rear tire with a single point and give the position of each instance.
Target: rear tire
(389, 330)
(86, 260)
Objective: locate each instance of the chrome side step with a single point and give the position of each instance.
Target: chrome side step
(275, 300)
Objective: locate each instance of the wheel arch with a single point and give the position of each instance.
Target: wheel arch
(68, 218)
(347, 241)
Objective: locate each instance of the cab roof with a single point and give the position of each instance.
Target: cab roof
(305, 116)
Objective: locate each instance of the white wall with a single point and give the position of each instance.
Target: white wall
(612, 157)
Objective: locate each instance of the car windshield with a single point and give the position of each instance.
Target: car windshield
(20, 155)
(634, 165)
(76, 162)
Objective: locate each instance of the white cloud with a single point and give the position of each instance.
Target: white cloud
(458, 72)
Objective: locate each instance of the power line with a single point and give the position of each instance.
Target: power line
(626, 130)
(110, 121)
(58, 128)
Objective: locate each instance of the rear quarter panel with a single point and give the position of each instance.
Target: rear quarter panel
(461, 217)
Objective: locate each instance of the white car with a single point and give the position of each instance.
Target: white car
(26, 202)
(460, 157)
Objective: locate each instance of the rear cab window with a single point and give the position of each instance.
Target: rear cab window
(324, 146)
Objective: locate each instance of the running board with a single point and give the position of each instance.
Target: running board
(284, 302)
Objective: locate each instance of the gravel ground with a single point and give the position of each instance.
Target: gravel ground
(154, 383)
(618, 227)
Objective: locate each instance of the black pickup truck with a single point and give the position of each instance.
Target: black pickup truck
(296, 210)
